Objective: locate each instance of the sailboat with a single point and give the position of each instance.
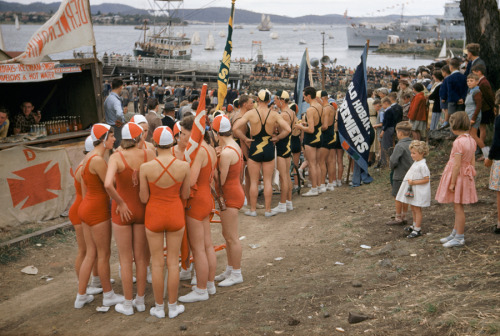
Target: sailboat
(210, 45)
(17, 22)
(2, 44)
(274, 36)
(265, 23)
(195, 39)
(442, 53)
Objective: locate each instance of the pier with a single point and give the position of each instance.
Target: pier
(170, 70)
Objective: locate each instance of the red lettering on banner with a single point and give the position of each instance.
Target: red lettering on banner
(52, 33)
(61, 33)
(64, 23)
(35, 185)
(47, 75)
(45, 36)
(30, 154)
(82, 12)
(70, 15)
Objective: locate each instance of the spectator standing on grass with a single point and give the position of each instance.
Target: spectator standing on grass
(399, 162)
(416, 187)
(418, 112)
(434, 97)
(493, 161)
(457, 184)
(488, 100)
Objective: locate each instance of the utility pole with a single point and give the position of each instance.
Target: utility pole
(322, 65)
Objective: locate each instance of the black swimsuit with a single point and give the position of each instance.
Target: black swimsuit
(283, 146)
(314, 139)
(261, 148)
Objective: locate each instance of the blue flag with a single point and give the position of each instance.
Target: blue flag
(304, 79)
(354, 125)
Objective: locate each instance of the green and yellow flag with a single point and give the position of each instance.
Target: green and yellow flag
(225, 63)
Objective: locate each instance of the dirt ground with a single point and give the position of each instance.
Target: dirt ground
(405, 286)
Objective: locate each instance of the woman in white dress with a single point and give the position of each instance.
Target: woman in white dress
(416, 187)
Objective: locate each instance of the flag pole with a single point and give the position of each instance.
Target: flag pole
(96, 62)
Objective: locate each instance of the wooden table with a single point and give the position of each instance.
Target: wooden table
(48, 140)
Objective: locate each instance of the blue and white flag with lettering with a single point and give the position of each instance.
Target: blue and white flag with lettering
(354, 126)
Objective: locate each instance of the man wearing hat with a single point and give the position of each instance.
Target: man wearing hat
(113, 110)
(169, 115)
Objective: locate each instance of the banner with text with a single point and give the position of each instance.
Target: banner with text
(35, 184)
(69, 28)
(354, 125)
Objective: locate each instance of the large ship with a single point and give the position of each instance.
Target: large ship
(265, 23)
(451, 26)
(163, 42)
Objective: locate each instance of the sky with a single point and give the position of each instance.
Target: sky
(294, 8)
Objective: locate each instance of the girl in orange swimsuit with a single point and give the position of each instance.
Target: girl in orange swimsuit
(95, 216)
(95, 283)
(163, 182)
(199, 207)
(141, 120)
(230, 172)
(127, 214)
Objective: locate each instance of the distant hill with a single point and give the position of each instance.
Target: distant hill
(212, 14)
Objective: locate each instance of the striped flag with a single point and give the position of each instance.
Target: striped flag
(225, 63)
(304, 79)
(198, 130)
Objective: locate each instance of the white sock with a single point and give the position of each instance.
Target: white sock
(210, 284)
(416, 228)
(486, 151)
(229, 268)
(161, 306)
(289, 203)
(322, 186)
(170, 305)
(237, 271)
(139, 299)
(109, 294)
(127, 303)
(81, 297)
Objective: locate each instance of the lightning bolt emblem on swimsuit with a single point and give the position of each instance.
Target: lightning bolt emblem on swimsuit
(260, 147)
(318, 136)
(334, 138)
(288, 146)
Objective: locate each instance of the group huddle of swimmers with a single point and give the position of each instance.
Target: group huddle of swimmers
(157, 200)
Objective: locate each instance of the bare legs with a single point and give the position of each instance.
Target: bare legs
(200, 241)
(254, 172)
(314, 170)
(229, 220)
(283, 164)
(459, 218)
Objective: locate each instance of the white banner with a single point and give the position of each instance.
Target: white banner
(35, 184)
(69, 28)
(16, 72)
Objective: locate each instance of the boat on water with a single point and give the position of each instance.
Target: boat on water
(144, 26)
(302, 42)
(16, 18)
(283, 59)
(163, 42)
(210, 45)
(274, 36)
(238, 27)
(265, 23)
(195, 39)
(451, 26)
(222, 34)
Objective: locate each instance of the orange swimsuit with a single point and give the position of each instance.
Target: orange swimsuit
(127, 186)
(164, 211)
(73, 211)
(94, 208)
(232, 189)
(201, 204)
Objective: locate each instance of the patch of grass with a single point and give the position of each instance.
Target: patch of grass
(10, 254)
(431, 308)
(492, 329)
(452, 279)
(28, 231)
(397, 310)
(347, 225)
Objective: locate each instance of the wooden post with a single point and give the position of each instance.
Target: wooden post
(98, 80)
(348, 170)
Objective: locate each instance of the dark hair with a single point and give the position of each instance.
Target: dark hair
(195, 105)
(187, 122)
(377, 102)
(446, 69)
(418, 87)
(454, 63)
(236, 103)
(4, 110)
(227, 133)
(116, 83)
(459, 121)
(104, 136)
(393, 96)
(407, 95)
(193, 97)
(386, 100)
(438, 75)
(152, 103)
(129, 143)
(480, 68)
(404, 127)
(310, 91)
(473, 48)
(244, 99)
(162, 146)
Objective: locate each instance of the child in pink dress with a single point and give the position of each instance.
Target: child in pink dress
(457, 182)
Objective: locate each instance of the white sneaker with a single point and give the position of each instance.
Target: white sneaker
(173, 312)
(224, 275)
(139, 306)
(82, 300)
(193, 279)
(330, 187)
(149, 277)
(311, 192)
(281, 208)
(114, 299)
(123, 309)
(455, 243)
(195, 295)
(211, 289)
(94, 290)
(185, 274)
(154, 311)
(251, 213)
(233, 279)
(289, 205)
(446, 239)
(270, 214)
(322, 189)
(339, 183)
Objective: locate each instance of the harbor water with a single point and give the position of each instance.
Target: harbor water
(121, 39)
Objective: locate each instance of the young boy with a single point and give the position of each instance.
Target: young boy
(406, 105)
(400, 161)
